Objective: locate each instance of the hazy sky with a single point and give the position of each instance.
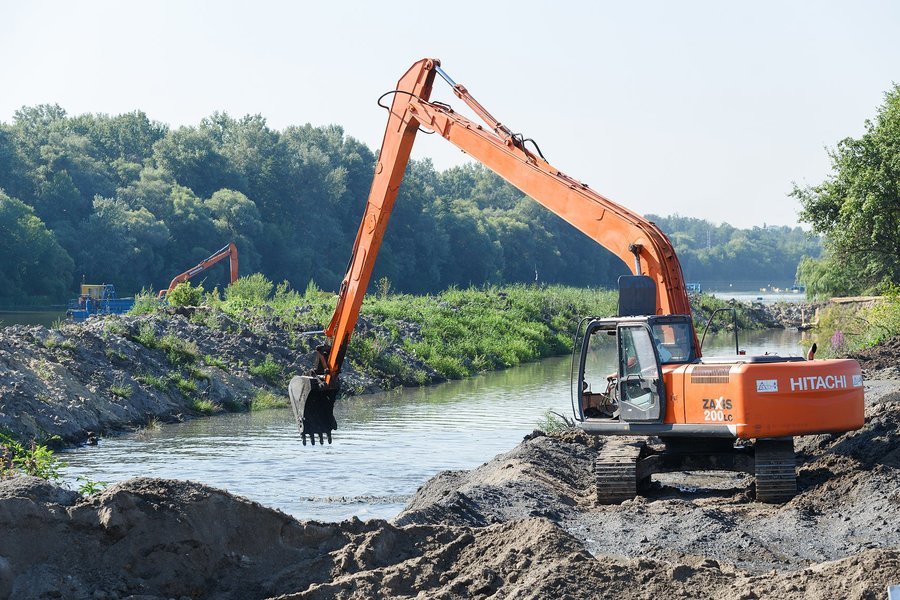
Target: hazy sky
(706, 109)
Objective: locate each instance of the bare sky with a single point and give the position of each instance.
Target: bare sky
(706, 109)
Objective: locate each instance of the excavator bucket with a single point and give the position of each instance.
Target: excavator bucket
(313, 406)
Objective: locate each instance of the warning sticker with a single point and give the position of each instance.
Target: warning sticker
(766, 385)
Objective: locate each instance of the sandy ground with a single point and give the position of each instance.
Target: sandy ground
(523, 525)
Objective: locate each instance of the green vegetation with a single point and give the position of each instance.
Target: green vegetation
(89, 487)
(65, 344)
(184, 294)
(268, 369)
(128, 200)
(214, 361)
(857, 209)
(188, 387)
(146, 336)
(178, 351)
(553, 422)
(121, 390)
(204, 406)
(456, 333)
(844, 328)
(153, 381)
(31, 459)
(266, 400)
(145, 302)
(722, 253)
(112, 353)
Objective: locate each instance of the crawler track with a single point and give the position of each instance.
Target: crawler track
(776, 470)
(615, 469)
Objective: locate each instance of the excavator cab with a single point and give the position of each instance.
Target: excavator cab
(620, 367)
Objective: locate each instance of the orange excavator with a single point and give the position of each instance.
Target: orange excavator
(736, 413)
(230, 252)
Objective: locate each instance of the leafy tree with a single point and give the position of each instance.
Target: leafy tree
(32, 263)
(120, 245)
(858, 208)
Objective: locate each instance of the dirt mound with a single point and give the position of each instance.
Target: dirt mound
(523, 525)
(884, 356)
(849, 484)
(162, 539)
(541, 477)
(155, 539)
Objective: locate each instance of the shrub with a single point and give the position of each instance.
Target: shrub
(145, 303)
(184, 294)
(251, 290)
(34, 459)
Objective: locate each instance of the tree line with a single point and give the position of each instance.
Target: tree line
(130, 201)
(857, 210)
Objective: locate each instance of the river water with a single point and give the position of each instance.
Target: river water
(387, 445)
(45, 317)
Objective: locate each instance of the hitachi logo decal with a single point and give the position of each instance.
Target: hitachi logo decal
(828, 382)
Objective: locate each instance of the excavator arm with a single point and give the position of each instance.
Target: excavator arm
(229, 252)
(638, 242)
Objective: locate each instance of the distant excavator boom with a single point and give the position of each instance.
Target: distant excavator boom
(230, 252)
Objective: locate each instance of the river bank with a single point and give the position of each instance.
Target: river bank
(71, 384)
(523, 525)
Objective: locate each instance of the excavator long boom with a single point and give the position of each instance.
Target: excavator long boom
(230, 252)
(638, 242)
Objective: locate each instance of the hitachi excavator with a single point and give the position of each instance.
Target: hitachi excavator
(230, 252)
(737, 413)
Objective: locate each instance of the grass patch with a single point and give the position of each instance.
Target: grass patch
(214, 361)
(204, 406)
(196, 373)
(266, 400)
(66, 344)
(153, 381)
(178, 351)
(146, 336)
(114, 327)
(553, 422)
(121, 390)
(188, 387)
(268, 369)
(113, 354)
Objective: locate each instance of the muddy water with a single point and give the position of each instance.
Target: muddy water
(387, 444)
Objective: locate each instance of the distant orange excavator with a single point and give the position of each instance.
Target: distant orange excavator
(230, 252)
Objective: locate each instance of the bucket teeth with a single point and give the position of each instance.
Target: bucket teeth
(313, 406)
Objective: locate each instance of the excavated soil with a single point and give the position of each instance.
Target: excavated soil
(523, 525)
